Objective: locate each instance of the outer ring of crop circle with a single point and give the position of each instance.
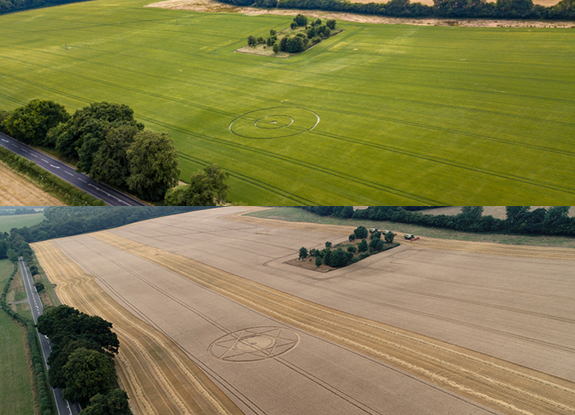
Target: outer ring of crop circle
(269, 138)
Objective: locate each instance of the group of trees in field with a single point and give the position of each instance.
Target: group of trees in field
(519, 219)
(107, 143)
(357, 250)
(501, 9)
(81, 361)
(314, 33)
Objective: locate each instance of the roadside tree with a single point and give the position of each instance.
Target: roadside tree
(31, 123)
(88, 373)
(110, 162)
(207, 187)
(115, 402)
(153, 164)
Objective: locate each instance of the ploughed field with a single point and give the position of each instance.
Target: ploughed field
(379, 114)
(432, 327)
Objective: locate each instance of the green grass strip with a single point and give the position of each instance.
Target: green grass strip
(46, 181)
(40, 375)
(292, 214)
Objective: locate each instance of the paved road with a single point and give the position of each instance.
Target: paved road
(64, 407)
(109, 195)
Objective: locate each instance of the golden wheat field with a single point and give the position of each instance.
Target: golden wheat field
(211, 320)
(15, 190)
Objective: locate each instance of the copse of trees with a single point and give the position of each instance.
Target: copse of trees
(502, 9)
(344, 254)
(81, 361)
(302, 36)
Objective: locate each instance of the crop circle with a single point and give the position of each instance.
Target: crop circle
(275, 122)
(254, 344)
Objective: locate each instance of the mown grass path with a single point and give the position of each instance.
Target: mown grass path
(409, 115)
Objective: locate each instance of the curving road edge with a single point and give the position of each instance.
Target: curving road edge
(99, 190)
(64, 407)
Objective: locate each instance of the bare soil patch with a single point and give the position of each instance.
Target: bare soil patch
(213, 6)
(15, 190)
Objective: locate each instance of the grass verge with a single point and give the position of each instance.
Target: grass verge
(46, 181)
(292, 214)
(15, 393)
(44, 401)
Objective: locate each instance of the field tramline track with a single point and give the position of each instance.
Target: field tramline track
(485, 379)
(224, 330)
(334, 173)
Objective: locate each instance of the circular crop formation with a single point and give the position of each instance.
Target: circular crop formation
(274, 122)
(254, 344)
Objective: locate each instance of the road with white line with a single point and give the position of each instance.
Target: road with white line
(67, 173)
(64, 407)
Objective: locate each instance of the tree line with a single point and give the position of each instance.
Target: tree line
(63, 221)
(44, 398)
(106, 142)
(8, 6)
(501, 9)
(519, 219)
(81, 362)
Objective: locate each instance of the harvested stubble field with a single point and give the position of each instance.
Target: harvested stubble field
(15, 190)
(421, 329)
(407, 114)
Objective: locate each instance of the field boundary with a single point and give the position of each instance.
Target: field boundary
(46, 181)
(43, 398)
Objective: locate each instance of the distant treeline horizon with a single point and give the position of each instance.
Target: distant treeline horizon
(500, 9)
(553, 221)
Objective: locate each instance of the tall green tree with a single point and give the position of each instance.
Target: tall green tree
(207, 187)
(110, 162)
(153, 164)
(88, 373)
(113, 403)
(361, 232)
(31, 123)
(91, 123)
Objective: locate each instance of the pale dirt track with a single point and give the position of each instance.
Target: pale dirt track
(426, 242)
(494, 322)
(159, 378)
(15, 190)
(212, 6)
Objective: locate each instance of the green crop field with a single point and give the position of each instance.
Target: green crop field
(18, 221)
(379, 114)
(15, 392)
